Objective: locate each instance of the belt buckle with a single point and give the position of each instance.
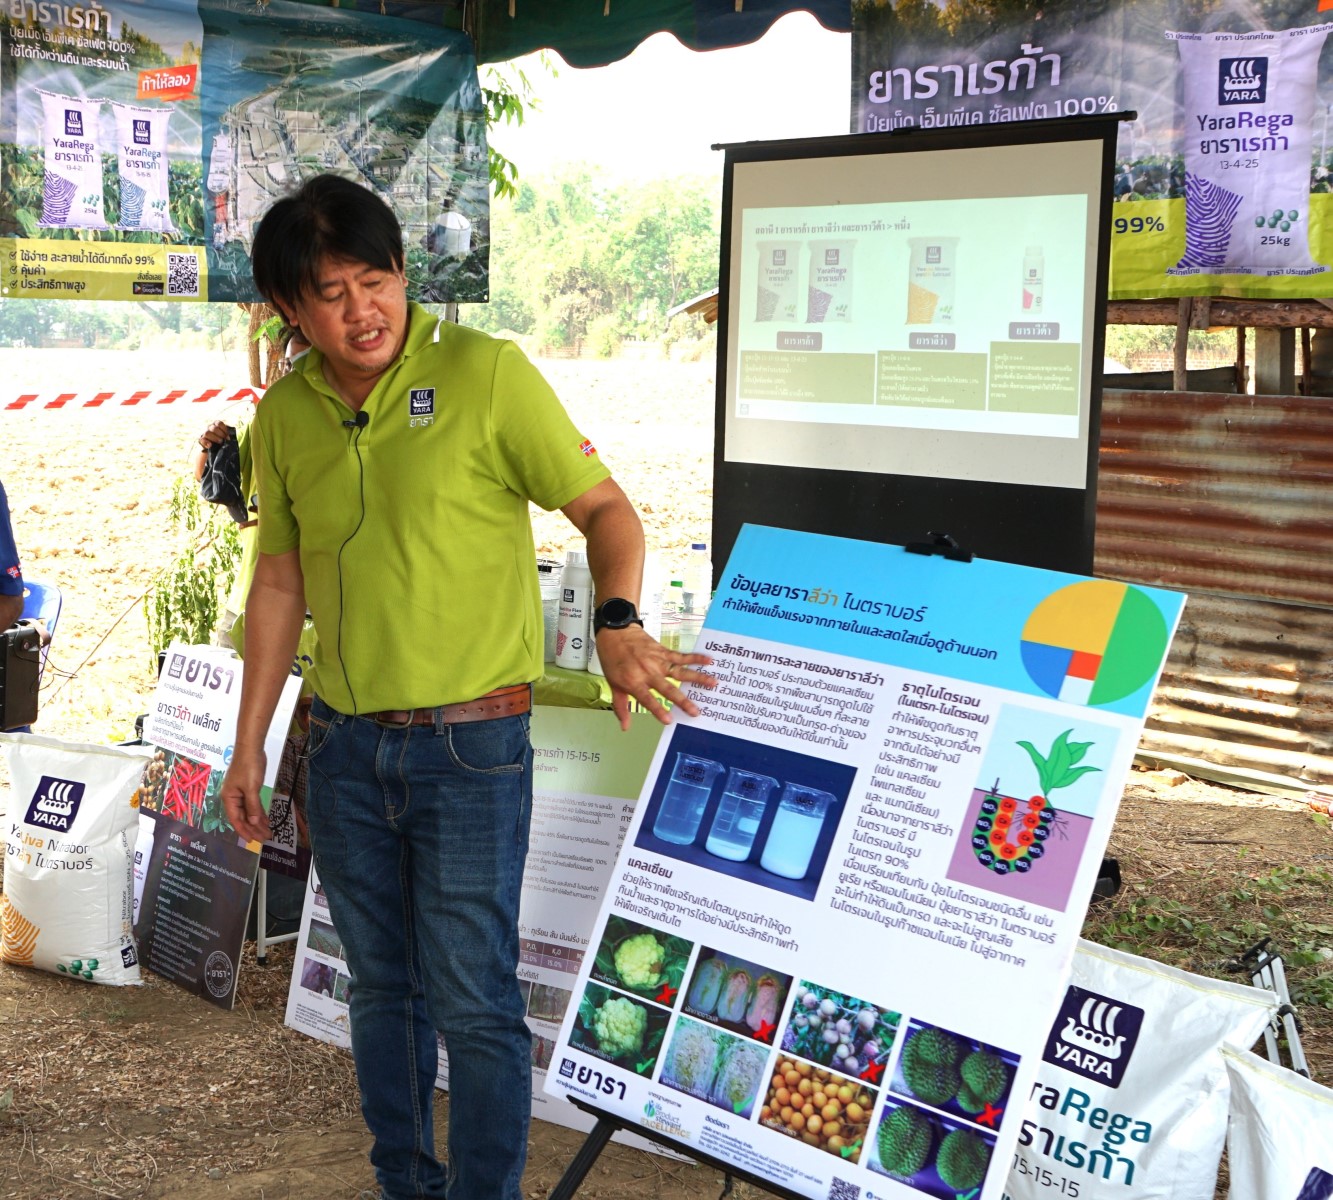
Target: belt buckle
(411, 712)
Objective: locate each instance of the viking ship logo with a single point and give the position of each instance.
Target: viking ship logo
(1094, 1036)
(1242, 81)
(55, 804)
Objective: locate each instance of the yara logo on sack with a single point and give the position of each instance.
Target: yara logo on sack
(1094, 1036)
(1242, 80)
(55, 804)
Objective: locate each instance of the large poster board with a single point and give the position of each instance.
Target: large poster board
(142, 142)
(873, 849)
(587, 777)
(1222, 182)
(193, 875)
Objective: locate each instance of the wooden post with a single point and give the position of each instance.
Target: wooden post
(1274, 362)
(1180, 376)
(1307, 379)
(1242, 370)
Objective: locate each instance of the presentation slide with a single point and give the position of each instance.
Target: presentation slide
(884, 317)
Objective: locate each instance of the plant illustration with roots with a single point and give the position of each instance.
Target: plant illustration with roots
(1010, 833)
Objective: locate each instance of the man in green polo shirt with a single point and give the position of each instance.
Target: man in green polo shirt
(395, 466)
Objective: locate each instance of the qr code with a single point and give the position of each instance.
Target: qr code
(840, 1189)
(182, 274)
(282, 823)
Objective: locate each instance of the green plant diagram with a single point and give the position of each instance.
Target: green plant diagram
(1010, 833)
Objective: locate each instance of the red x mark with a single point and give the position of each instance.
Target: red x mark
(990, 1115)
(667, 993)
(873, 1071)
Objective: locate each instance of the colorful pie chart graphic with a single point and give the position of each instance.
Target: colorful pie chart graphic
(1094, 642)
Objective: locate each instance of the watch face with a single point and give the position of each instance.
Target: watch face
(616, 614)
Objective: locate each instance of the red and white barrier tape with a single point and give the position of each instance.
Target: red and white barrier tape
(114, 399)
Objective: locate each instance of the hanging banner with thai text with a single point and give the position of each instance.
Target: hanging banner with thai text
(143, 141)
(1222, 182)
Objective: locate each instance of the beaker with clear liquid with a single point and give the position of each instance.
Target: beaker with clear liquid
(685, 798)
(739, 813)
(796, 828)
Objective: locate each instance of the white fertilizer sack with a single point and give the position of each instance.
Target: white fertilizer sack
(1280, 1140)
(1130, 1100)
(72, 186)
(141, 142)
(68, 891)
(1249, 123)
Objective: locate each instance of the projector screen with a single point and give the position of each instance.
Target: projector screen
(910, 335)
(927, 312)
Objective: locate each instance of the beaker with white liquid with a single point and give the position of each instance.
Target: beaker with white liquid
(796, 828)
(685, 799)
(739, 813)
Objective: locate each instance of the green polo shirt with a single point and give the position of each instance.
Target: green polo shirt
(413, 531)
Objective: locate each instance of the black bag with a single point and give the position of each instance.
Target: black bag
(221, 482)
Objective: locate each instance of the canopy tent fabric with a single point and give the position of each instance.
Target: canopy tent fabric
(592, 33)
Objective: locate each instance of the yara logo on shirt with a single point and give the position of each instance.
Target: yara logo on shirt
(421, 406)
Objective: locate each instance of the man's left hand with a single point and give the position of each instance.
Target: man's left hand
(637, 666)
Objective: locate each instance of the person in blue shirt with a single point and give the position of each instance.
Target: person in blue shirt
(11, 574)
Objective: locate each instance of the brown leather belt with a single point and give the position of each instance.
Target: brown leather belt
(503, 702)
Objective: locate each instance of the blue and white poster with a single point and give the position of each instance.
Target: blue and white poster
(870, 854)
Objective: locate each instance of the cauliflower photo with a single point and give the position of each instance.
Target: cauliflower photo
(619, 1029)
(639, 961)
(620, 1025)
(638, 958)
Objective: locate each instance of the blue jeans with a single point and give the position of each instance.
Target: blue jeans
(419, 836)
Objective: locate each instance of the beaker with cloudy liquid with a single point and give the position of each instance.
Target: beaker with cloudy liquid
(685, 799)
(739, 813)
(796, 828)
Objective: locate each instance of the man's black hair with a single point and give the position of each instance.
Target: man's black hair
(328, 217)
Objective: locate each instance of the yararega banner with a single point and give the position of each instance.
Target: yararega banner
(143, 141)
(1222, 180)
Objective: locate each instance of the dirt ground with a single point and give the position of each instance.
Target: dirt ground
(149, 1094)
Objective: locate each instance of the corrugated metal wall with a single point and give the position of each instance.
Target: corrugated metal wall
(1230, 498)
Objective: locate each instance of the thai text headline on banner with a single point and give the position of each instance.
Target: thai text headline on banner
(1222, 184)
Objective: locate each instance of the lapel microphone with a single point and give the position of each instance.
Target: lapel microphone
(360, 422)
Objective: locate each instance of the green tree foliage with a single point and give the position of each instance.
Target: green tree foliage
(577, 258)
(184, 601)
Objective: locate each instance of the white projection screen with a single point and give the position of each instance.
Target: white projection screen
(911, 333)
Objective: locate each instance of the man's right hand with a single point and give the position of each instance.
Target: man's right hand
(241, 796)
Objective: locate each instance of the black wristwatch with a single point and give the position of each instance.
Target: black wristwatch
(615, 613)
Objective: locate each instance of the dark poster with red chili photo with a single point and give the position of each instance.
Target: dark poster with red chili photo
(194, 874)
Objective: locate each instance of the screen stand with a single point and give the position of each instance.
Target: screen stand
(943, 545)
(608, 1124)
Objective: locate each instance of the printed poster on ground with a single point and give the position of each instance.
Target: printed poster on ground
(193, 874)
(873, 850)
(1222, 182)
(587, 775)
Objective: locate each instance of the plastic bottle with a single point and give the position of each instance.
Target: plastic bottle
(698, 579)
(652, 597)
(574, 624)
(671, 606)
(1034, 278)
(548, 580)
